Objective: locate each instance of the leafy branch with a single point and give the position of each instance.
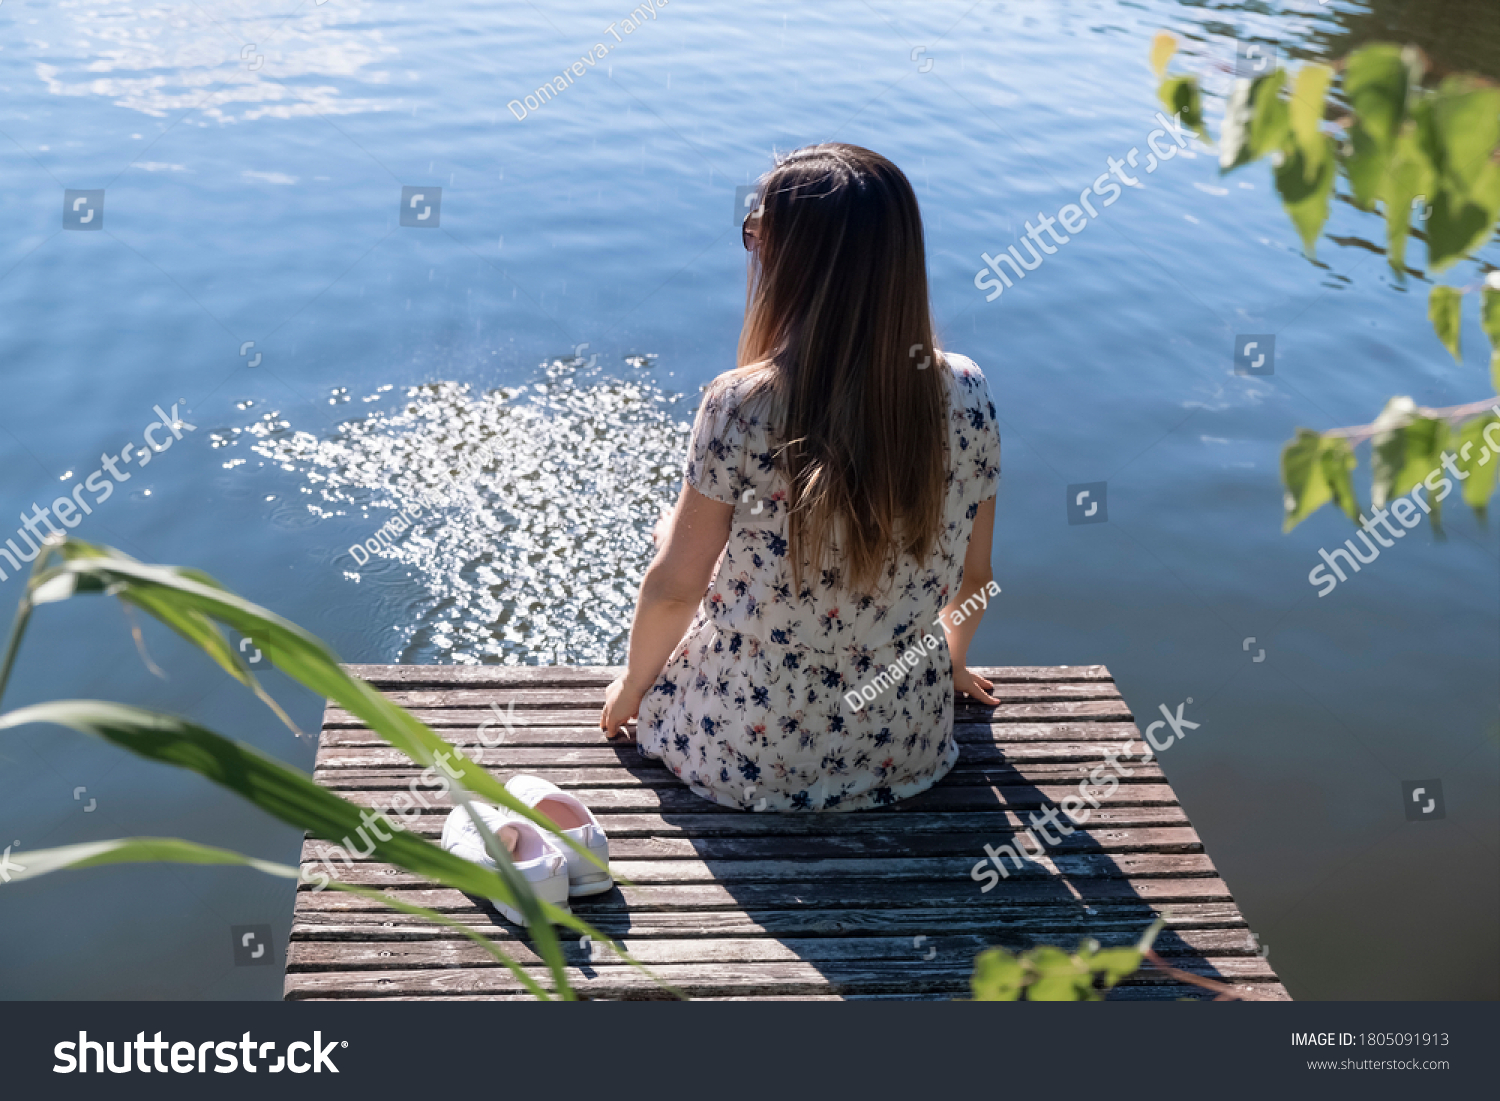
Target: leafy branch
(1400, 144)
(1048, 974)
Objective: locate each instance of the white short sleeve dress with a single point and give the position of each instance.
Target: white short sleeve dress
(751, 709)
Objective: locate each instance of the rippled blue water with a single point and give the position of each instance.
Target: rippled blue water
(253, 159)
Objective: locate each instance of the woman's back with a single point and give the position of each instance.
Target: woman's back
(815, 696)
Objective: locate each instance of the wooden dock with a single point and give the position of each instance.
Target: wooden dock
(738, 905)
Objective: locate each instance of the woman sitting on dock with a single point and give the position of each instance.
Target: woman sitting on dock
(799, 637)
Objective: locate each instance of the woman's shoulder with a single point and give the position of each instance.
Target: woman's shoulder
(739, 397)
(969, 386)
(962, 367)
(746, 388)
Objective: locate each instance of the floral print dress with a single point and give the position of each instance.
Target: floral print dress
(750, 710)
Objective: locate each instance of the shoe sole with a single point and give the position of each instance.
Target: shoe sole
(590, 887)
(511, 914)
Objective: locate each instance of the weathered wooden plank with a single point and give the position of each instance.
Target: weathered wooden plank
(584, 718)
(539, 728)
(540, 698)
(692, 980)
(456, 951)
(651, 774)
(875, 868)
(1169, 991)
(306, 955)
(569, 712)
(943, 797)
(1164, 992)
(1044, 923)
(383, 676)
(883, 845)
(992, 823)
(625, 755)
(1010, 900)
(724, 978)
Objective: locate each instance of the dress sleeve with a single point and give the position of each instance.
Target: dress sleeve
(979, 438)
(716, 449)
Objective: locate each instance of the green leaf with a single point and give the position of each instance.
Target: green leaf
(1061, 987)
(1316, 469)
(1485, 193)
(1456, 228)
(1408, 176)
(1302, 474)
(172, 850)
(1463, 129)
(296, 800)
(1406, 448)
(1489, 317)
(1458, 128)
(1337, 460)
(1478, 460)
(1059, 977)
(288, 647)
(1305, 111)
(1163, 46)
(1180, 94)
(1255, 120)
(1445, 311)
(1365, 166)
(1115, 964)
(998, 976)
(1304, 179)
(1376, 81)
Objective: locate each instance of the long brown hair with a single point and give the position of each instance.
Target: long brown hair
(838, 328)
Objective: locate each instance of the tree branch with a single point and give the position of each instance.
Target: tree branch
(1361, 432)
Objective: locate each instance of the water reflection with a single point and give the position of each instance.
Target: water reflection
(506, 526)
(1457, 35)
(237, 65)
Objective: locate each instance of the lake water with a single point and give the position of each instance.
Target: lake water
(516, 372)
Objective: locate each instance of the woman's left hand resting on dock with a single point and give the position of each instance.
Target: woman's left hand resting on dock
(689, 544)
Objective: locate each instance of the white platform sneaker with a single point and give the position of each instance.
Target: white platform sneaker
(577, 822)
(539, 858)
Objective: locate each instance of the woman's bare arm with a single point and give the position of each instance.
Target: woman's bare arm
(693, 540)
(978, 574)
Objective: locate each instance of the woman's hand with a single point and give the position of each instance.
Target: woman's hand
(622, 701)
(662, 528)
(973, 685)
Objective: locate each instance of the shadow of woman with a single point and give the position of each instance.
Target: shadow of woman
(897, 902)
